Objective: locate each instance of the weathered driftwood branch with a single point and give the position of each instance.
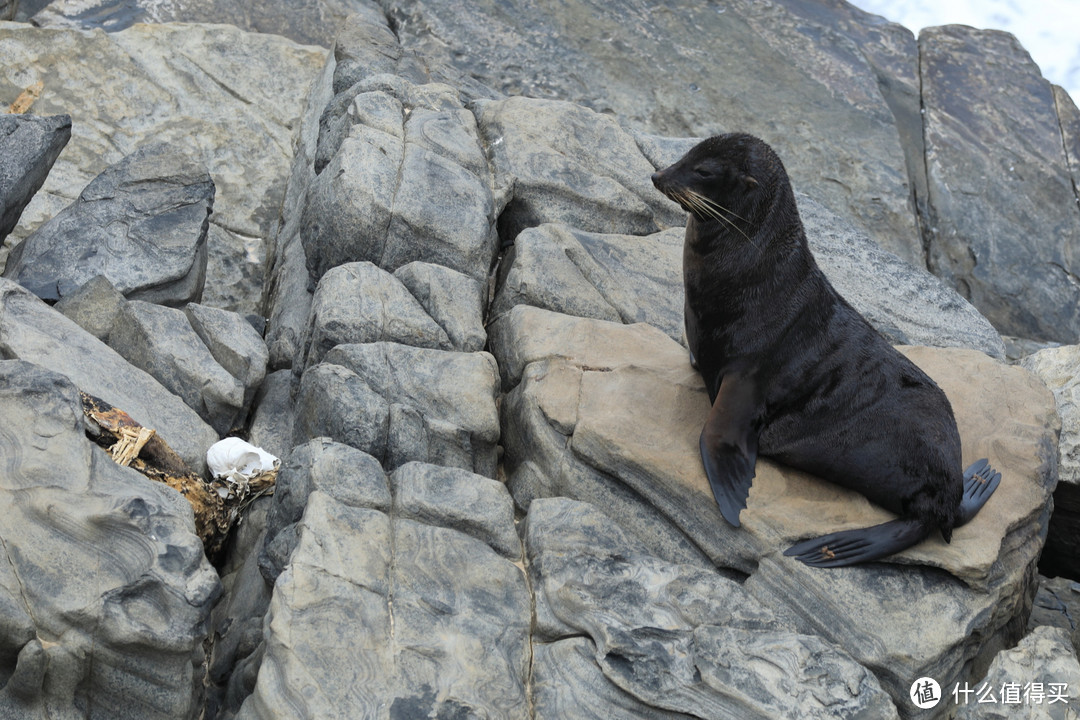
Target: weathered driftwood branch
(217, 504)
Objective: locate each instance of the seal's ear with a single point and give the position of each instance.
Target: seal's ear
(749, 181)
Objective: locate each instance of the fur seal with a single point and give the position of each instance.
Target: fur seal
(796, 374)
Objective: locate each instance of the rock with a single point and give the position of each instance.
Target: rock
(378, 613)
(566, 681)
(1069, 116)
(570, 165)
(312, 22)
(409, 181)
(361, 303)
(288, 289)
(1048, 654)
(95, 306)
(1058, 368)
(454, 300)
(791, 74)
(441, 405)
(918, 309)
(362, 96)
(234, 271)
(233, 343)
(459, 500)
(335, 402)
(161, 341)
(344, 473)
(1016, 349)
(107, 593)
(1057, 604)
(622, 278)
(271, 424)
(289, 306)
(350, 203)
(238, 619)
(573, 426)
(29, 145)
(34, 332)
(228, 97)
(367, 46)
(679, 638)
(1002, 204)
(8, 8)
(142, 224)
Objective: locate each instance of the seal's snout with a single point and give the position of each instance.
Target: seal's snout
(657, 178)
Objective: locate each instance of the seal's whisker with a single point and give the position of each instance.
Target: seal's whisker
(718, 206)
(711, 209)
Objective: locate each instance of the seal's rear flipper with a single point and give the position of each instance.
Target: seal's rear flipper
(730, 472)
(980, 482)
(849, 547)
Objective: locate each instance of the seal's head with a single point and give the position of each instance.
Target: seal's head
(730, 179)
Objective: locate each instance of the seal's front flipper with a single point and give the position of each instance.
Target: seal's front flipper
(980, 482)
(730, 469)
(729, 444)
(849, 547)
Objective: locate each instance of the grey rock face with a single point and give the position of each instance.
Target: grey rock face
(679, 638)
(29, 146)
(1049, 653)
(1059, 368)
(271, 425)
(234, 271)
(570, 165)
(287, 292)
(423, 618)
(918, 309)
(160, 341)
(233, 343)
(335, 402)
(30, 330)
(361, 303)
(359, 103)
(791, 76)
(459, 500)
(238, 619)
(408, 181)
(111, 625)
(95, 306)
(1069, 115)
(309, 22)
(1057, 604)
(349, 475)
(622, 278)
(1005, 229)
(441, 405)
(454, 300)
(567, 682)
(228, 98)
(142, 224)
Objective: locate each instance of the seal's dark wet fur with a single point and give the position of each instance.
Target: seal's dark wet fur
(795, 373)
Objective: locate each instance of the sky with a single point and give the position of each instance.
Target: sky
(1048, 29)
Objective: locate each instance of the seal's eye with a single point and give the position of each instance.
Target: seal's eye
(703, 173)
